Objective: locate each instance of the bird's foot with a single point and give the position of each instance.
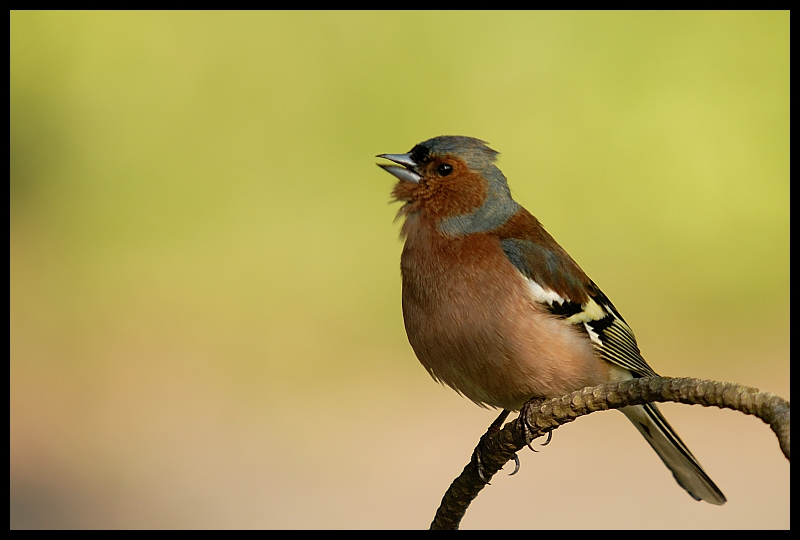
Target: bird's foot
(526, 428)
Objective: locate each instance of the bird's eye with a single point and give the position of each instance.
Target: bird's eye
(444, 169)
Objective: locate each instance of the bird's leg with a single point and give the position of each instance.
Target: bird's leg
(493, 429)
(497, 424)
(527, 429)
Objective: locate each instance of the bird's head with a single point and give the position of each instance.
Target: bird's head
(453, 182)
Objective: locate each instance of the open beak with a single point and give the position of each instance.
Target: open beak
(407, 172)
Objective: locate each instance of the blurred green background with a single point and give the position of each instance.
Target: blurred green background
(205, 324)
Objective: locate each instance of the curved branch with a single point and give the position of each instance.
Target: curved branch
(496, 449)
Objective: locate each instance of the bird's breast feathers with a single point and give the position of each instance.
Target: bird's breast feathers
(482, 327)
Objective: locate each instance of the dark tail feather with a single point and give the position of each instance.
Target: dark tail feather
(670, 448)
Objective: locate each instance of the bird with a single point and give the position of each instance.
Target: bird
(497, 310)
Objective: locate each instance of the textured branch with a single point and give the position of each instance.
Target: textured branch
(497, 449)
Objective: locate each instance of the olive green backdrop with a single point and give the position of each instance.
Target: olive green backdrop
(204, 270)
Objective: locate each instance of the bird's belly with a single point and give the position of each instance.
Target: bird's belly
(487, 339)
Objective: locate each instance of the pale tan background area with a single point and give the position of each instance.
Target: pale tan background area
(204, 285)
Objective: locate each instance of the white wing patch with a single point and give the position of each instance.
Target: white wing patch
(590, 311)
(545, 296)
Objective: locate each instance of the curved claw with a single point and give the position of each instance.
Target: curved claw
(516, 465)
(549, 438)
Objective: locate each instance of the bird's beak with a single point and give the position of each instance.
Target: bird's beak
(407, 172)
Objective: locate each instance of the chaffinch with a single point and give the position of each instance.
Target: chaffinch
(497, 310)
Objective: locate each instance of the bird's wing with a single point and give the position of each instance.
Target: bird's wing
(564, 289)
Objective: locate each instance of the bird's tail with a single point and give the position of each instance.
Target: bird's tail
(670, 448)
